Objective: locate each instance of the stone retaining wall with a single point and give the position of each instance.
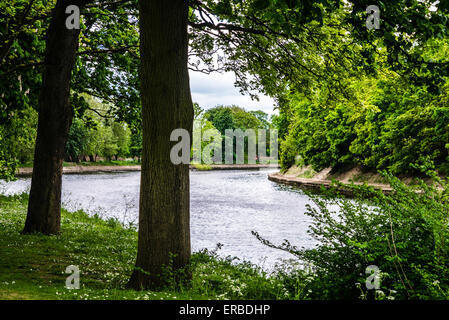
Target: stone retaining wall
(316, 184)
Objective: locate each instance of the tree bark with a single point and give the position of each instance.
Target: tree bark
(164, 222)
(55, 118)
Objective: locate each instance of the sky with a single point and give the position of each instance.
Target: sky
(218, 88)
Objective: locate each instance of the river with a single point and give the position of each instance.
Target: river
(225, 207)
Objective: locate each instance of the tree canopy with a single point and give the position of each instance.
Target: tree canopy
(272, 46)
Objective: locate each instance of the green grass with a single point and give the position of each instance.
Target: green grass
(33, 266)
(202, 167)
(308, 174)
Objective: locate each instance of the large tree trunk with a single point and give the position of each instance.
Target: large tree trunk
(164, 222)
(55, 117)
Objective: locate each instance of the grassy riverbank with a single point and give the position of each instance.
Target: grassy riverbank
(89, 163)
(33, 266)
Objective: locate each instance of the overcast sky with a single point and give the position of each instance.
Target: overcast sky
(216, 88)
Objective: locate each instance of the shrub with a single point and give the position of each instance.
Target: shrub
(405, 234)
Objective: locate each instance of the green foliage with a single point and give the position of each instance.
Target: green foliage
(106, 67)
(107, 141)
(197, 111)
(387, 124)
(122, 135)
(243, 119)
(135, 148)
(279, 42)
(7, 165)
(282, 46)
(201, 128)
(77, 141)
(229, 278)
(90, 135)
(404, 234)
(221, 118)
(263, 118)
(377, 97)
(33, 266)
(288, 152)
(17, 139)
(104, 163)
(202, 167)
(408, 28)
(21, 42)
(233, 117)
(93, 133)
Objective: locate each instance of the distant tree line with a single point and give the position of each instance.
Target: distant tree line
(222, 118)
(95, 134)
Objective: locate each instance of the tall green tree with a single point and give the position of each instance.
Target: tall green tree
(122, 136)
(105, 67)
(22, 29)
(55, 118)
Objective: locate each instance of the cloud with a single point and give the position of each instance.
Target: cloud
(216, 89)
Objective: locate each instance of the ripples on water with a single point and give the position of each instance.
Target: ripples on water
(225, 207)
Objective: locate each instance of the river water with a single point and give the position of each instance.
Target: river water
(225, 207)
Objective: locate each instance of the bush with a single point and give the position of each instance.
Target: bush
(404, 234)
(288, 153)
(389, 126)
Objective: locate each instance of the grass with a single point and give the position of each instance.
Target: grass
(202, 167)
(33, 266)
(308, 174)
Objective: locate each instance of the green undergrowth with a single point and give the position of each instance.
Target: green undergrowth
(33, 266)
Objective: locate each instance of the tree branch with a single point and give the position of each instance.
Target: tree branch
(108, 51)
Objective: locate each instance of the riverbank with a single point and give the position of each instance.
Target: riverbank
(306, 178)
(33, 266)
(85, 169)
